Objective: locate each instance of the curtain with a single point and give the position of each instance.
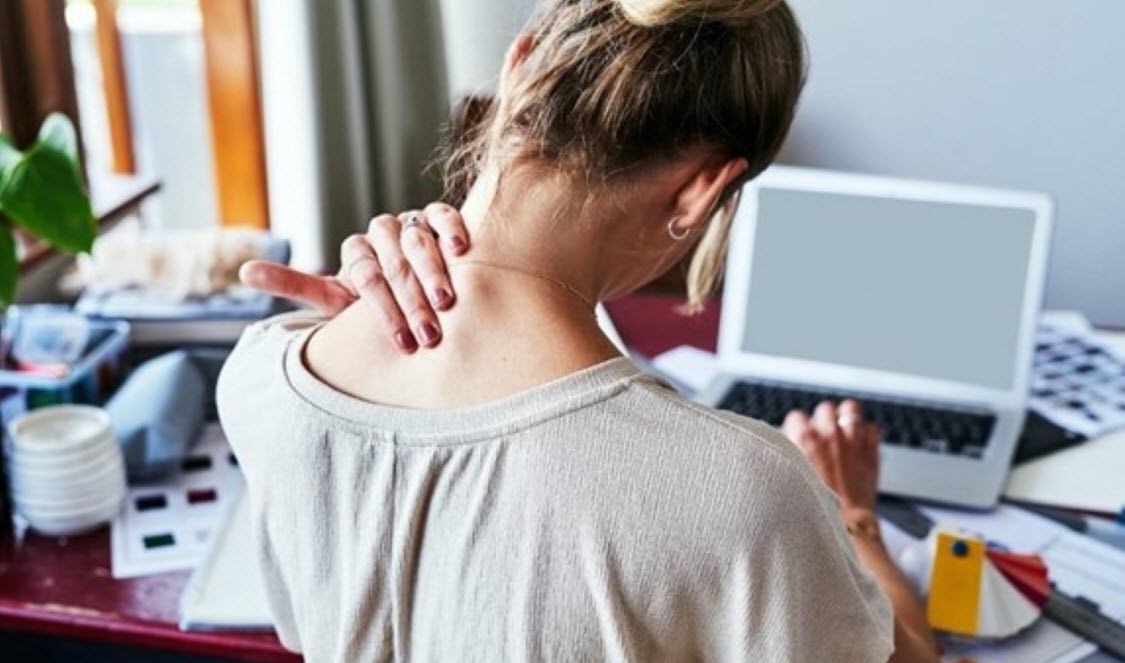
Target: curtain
(354, 98)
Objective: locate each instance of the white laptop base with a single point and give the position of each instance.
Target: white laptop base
(901, 291)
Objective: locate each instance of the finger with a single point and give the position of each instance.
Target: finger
(421, 250)
(385, 235)
(816, 450)
(449, 225)
(374, 291)
(872, 435)
(361, 273)
(824, 421)
(322, 293)
(850, 420)
(795, 426)
(354, 249)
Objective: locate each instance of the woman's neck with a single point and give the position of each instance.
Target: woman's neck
(512, 329)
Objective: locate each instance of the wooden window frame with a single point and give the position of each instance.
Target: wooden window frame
(229, 45)
(114, 87)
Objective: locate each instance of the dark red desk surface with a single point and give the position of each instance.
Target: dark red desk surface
(63, 586)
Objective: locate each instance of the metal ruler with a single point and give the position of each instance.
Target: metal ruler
(1083, 618)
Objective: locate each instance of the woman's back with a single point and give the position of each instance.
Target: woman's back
(595, 517)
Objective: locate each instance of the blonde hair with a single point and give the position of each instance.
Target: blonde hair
(612, 85)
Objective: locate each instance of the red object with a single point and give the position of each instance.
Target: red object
(202, 495)
(63, 587)
(1027, 572)
(651, 324)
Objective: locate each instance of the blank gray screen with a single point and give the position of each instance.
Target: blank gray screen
(915, 287)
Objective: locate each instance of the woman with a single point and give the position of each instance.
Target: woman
(519, 491)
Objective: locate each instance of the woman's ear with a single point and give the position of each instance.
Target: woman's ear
(517, 53)
(698, 198)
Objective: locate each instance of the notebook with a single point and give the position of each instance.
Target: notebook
(226, 592)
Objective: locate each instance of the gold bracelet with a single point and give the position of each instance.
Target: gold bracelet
(863, 524)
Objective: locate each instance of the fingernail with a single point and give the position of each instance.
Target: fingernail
(406, 341)
(457, 243)
(442, 298)
(427, 333)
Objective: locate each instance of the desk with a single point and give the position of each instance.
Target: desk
(62, 587)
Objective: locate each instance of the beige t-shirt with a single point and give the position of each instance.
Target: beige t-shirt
(600, 517)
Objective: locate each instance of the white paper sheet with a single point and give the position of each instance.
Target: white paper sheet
(227, 592)
(1087, 477)
(1077, 381)
(167, 526)
(688, 366)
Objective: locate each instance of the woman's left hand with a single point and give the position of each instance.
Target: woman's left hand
(397, 267)
(842, 448)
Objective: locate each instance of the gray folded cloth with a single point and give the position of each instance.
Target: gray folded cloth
(158, 413)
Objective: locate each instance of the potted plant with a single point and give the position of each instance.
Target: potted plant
(42, 195)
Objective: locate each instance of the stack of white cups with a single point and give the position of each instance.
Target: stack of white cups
(65, 469)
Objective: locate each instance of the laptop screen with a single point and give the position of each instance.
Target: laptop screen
(929, 289)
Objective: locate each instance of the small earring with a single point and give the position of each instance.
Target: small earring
(678, 236)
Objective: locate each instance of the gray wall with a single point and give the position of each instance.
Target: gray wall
(1013, 93)
(476, 34)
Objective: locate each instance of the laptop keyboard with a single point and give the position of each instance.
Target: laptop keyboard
(910, 425)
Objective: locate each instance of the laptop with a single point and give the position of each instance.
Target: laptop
(919, 299)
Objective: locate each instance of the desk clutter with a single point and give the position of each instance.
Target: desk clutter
(177, 288)
(168, 524)
(1077, 382)
(973, 590)
(1083, 612)
(65, 469)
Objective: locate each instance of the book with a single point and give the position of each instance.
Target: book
(226, 592)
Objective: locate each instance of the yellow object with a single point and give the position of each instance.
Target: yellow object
(955, 589)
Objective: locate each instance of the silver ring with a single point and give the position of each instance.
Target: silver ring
(413, 221)
(845, 420)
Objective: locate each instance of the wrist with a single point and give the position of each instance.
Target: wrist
(862, 523)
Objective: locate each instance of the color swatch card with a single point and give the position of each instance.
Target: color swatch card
(168, 525)
(1077, 382)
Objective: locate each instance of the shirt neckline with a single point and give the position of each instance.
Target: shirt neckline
(459, 425)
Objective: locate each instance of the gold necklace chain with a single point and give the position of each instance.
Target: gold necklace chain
(539, 275)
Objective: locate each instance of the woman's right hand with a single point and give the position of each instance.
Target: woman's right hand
(400, 271)
(842, 448)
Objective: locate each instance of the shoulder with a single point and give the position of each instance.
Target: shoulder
(265, 343)
(739, 442)
(756, 502)
(253, 379)
(715, 462)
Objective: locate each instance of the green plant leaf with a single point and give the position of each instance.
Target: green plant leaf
(58, 131)
(43, 193)
(8, 153)
(9, 266)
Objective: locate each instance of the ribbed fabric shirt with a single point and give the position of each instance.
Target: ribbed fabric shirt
(598, 517)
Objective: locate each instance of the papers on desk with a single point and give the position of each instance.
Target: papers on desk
(227, 592)
(1088, 477)
(1077, 382)
(690, 368)
(168, 525)
(1079, 566)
